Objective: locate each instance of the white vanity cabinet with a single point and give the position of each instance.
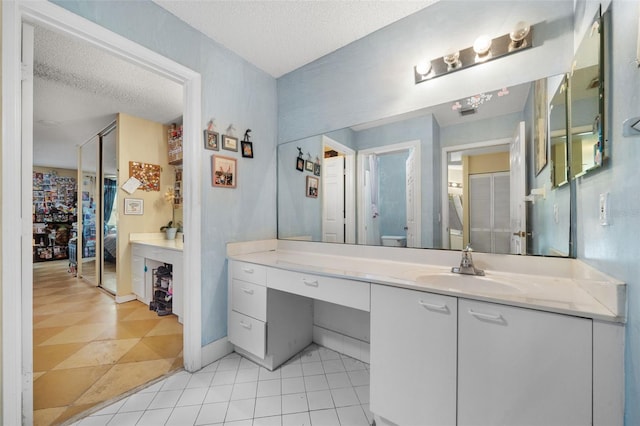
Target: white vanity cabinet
(264, 324)
(413, 356)
(520, 366)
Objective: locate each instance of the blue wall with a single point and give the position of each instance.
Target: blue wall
(392, 192)
(234, 91)
(614, 249)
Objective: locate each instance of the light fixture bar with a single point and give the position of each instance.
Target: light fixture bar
(499, 47)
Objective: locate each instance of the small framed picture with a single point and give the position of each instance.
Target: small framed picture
(308, 166)
(247, 149)
(300, 164)
(223, 171)
(133, 206)
(312, 186)
(316, 169)
(211, 139)
(229, 143)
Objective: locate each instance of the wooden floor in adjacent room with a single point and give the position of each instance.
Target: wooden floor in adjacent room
(87, 349)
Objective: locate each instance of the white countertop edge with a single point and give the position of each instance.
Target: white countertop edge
(157, 240)
(588, 306)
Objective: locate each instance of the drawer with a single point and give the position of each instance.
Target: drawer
(249, 272)
(247, 333)
(354, 294)
(249, 299)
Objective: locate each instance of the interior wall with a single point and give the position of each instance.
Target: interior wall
(614, 249)
(372, 78)
(145, 141)
(392, 190)
(233, 92)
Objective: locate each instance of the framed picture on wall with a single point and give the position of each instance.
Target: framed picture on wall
(134, 206)
(300, 164)
(316, 169)
(312, 187)
(229, 143)
(247, 149)
(308, 166)
(224, 171)
(211, 140)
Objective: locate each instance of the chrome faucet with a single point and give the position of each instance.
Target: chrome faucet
(466, 264)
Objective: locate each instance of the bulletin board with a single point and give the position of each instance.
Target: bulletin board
(147, 174)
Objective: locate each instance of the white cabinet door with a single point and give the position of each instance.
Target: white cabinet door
(137, 276)
(413, 356)
(522, 367)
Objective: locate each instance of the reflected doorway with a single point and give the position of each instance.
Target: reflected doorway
(338, 192)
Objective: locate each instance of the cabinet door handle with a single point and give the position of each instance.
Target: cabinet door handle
(245, 325)
(492, 317)
(310, 283)
(247, 290)
(433, 306)
(248, 270)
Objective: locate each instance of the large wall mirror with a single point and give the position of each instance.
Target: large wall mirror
(443, 177)
(587, 102)
(491, 170)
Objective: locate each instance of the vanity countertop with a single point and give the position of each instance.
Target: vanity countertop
(565, 295)
(157, 240)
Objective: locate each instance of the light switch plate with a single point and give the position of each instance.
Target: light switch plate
(603, 209)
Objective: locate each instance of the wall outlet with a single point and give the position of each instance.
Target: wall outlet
(603, 209)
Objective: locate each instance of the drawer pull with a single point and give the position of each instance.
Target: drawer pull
(492, 317)
(248, 270)
(433, 306)
(247, 290)
(310, 283)
(245, 325)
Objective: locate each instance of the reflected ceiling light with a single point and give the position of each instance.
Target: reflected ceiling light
(482, 47)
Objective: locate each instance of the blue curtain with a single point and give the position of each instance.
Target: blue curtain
(110, 189)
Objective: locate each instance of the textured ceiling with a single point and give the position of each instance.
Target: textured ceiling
(280, 36)
(78, 89)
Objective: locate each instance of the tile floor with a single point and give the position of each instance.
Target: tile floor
(317, 387)
(87, 349)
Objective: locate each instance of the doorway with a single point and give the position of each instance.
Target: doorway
(388, 204)
(16, 162)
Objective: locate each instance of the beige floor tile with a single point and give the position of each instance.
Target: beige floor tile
(47, 357)
(76, 333)
(46, 416)
(98, 353)
(140, 352)
(123, 377)
(72, 411)
(141, 314)
(38, 374)
(60, 388)
(167, 325)
(42, 334)
(127, 329)
(168, 346)
(65, 320)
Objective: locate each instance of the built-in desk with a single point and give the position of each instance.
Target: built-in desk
(147, 251)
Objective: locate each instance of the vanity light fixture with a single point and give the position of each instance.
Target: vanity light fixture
(484, 49)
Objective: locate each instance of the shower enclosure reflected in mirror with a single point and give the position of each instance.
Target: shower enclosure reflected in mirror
(428, 179)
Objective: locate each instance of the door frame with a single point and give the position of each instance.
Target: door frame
(387, 149)
(445, 178)
(349, 187)
(17, 309)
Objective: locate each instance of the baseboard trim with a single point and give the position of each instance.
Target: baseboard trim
(216, 350)
(125, 298)
(341, 343)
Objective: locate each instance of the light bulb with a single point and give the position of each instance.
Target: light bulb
(452, 60)
(482, 45)
(518, 36)
(423, 68)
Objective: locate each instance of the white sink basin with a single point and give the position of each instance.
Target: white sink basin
(469, 283)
